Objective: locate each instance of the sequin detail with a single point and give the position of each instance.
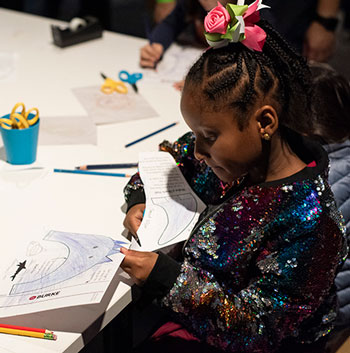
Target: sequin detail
(260, 266)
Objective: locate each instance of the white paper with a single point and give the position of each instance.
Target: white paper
(66, 130)
(57, 221)
(115, 107)
(64, 269)
(172, 208)
(174, 65)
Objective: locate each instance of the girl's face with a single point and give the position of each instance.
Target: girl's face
(230, 152)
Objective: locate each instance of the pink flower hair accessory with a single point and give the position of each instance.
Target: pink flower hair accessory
(235, 23)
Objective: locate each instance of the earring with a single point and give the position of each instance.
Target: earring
(266, 136)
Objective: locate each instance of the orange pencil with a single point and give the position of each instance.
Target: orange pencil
(48, 336)
(24, 328)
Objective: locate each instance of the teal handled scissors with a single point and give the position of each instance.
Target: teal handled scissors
(130, 78)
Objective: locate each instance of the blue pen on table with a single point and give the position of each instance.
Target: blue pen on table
(88, 172)
(151, 134)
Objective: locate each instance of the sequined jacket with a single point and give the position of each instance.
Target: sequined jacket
(258, 268)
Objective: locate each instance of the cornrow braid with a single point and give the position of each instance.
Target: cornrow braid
(234, 76)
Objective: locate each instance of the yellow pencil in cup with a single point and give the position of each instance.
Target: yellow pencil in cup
(10, 331)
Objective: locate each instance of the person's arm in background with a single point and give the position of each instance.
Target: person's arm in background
(162, 9)
(319, 41)
(163, 35)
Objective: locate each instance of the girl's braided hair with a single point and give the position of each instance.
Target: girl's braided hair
(235, 76)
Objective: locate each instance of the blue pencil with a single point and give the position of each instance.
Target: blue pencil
(78, 171)
(151, 134)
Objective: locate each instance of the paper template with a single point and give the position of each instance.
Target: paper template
(174, 65)
(115, 107)
(63, 269)
(172, 208)
(66, 130)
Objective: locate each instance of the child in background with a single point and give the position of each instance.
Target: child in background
(257, 272)
(185, 12)
(332, 129)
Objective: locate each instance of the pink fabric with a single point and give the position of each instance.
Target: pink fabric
(217, 20)
(174, 330)
(255, 36)
(312, 164)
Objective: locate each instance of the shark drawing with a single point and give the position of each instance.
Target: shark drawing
(21, 266)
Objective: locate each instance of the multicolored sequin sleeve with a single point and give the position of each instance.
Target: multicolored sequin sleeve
(261, 268)
(199, 176)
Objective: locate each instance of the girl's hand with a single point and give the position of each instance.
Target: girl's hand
(134, 218)
(138, 264)
(150, 54)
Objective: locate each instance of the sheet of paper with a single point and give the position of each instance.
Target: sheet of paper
(63, 269)
(58, 249)
(115, 107)
(174, 65)
(66, 130)
(172, 208)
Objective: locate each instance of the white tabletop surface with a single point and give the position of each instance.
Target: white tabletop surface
(43, 77)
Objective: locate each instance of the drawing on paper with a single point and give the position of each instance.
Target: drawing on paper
(174, 65)
(21, 266)
(113, 108)
(70, 256)
(176, 216)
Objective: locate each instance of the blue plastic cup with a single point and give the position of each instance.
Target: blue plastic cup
(21, 144)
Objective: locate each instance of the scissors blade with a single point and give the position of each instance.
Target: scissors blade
(135, 87)
(103, 75)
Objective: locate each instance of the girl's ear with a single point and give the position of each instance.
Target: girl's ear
(266, 119)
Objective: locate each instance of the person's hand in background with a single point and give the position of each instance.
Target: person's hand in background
(150, 54)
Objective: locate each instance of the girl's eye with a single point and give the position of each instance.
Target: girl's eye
(210, 138)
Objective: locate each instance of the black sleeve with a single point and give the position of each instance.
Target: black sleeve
(159, 282)
(136, 197)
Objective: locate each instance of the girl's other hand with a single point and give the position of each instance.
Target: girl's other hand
(134, 218)
(150, 54)
(138, 264)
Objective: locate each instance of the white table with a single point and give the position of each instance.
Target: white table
(44, 77)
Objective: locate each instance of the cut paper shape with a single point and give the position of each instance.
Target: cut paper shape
(172, 208)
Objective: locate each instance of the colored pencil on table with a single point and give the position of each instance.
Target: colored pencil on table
(107, 166)
(151, 134)
(78, 171)
(10, 331)
(24, 328)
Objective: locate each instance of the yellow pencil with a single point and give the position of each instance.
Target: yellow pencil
(48, 336)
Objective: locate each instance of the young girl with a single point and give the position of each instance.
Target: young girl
(257, 272)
